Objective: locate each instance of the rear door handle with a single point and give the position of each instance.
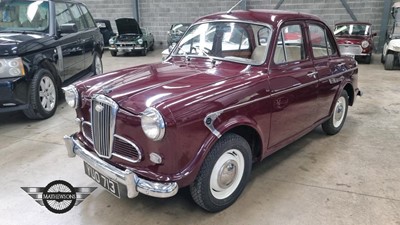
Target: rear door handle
(312, 74)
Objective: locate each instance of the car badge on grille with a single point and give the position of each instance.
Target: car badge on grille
(99, 108)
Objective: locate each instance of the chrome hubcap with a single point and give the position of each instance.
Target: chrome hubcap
(338, 114)
(227, 174)
(47, 94)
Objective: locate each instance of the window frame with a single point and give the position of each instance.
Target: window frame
(304, 43)
(327, 39)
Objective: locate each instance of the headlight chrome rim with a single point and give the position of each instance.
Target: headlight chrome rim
(365, 44)
(140, 41)
(71, 95)
(157, 120)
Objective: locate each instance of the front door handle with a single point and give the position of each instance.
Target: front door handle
(312, 74)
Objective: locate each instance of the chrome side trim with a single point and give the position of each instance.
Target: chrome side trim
(128, 178)
(209, 122)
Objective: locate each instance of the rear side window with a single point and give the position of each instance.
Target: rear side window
(89, 19)
(320, 43)
(290, 45)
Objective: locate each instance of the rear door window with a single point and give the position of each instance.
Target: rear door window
(320, 43)
(290, 45)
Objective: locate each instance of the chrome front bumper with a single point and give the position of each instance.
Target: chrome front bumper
(133, 183)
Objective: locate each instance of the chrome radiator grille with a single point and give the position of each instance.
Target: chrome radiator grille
(103, 115)
(122, 147)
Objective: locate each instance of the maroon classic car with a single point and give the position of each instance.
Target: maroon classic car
(355, 39)
(233, 91)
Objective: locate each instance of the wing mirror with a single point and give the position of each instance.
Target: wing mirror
(68, 28)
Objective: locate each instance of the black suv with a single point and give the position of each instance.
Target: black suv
(44, 44)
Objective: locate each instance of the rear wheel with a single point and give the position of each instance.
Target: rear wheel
(97, 65)
(224, 174)
(43, 96)
(389, 62)
(335, 123)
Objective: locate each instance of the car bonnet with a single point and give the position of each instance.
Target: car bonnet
(127, 26)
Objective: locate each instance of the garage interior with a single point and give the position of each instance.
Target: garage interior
(350, 178)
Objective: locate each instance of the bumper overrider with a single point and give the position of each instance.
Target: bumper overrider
(128, 178)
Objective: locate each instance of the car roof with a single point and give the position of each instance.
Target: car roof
(272, 17)
(353, 22)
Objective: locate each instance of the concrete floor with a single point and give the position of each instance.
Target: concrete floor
(350, 178)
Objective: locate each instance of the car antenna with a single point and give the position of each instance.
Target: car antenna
(230, 10)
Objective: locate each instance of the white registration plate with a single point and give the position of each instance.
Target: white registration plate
(104, 181)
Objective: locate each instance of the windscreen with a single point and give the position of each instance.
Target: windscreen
(24, 15)
(352, 29)
(232, 41)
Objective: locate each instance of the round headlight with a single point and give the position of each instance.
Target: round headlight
(71, 96)
(153, 124)
(111, 41)
(365, 44)
(140, 41)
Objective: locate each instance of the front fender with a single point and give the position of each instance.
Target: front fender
(190, 172)
(394, 45)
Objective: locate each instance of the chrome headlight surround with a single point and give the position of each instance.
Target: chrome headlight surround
(365, 44)
(71, 96)
(153, 124)
(11, 67)
(140, 41)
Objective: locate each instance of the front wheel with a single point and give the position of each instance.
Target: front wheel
(43, 96)
(224, 174)
(389, 62)
(335, 123)
(113, 53)
(144, 51)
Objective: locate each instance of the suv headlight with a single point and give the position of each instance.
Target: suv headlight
(365, 44)
(140, 41)
(11, 67)
(153, 124)
(71, 96)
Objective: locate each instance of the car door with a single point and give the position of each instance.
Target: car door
(294, 85)
(88, 32)
(72, 51)
(329, 65)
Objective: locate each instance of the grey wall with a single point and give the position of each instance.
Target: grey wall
(158, 15)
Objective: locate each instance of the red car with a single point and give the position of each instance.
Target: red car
(355, 39)
(232, 91)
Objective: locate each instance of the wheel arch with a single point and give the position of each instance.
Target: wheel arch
(246, 129)
(47, 64)
(350, 92)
